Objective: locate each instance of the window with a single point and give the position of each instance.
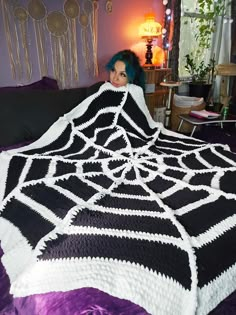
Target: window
(188, 43)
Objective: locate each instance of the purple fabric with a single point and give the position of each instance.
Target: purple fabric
(226, 307)
(5, 297)
(82, 301)
(45, 83)
(15, 146)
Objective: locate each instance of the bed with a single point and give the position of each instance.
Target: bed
(108, 212)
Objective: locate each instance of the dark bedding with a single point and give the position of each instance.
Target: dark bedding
(110, 213)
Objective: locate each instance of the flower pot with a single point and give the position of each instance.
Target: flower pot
(200, 90)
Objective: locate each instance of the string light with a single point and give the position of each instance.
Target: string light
(168, 11)
(166, 30)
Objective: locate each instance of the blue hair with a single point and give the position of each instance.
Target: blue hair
(135, 72)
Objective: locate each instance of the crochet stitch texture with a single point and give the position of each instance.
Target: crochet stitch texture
(108, 198)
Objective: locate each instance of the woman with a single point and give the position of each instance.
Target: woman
(124, 67)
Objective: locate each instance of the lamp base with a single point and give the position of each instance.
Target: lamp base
(149, 66)
(148, 54)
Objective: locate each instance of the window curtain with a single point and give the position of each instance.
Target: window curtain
(233, 53)
(233, 37)
(221, 42)
(221, 45)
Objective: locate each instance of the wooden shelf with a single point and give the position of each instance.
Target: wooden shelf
(159, 94)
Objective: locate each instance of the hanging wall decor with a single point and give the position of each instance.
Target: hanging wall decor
(88, 21)
(37, 12)
(58, 26)
(12, 41)
(72, 9)
(21, 16)
(109, 6)
(94, 33)
(56, 31)
(84, 22)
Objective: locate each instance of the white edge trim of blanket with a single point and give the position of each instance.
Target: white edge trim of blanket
(18, 254)
(210, 296)
(155, 293)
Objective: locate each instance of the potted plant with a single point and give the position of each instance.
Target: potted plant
(203, 73)
(202, 76)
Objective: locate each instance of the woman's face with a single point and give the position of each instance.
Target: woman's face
(118, 75)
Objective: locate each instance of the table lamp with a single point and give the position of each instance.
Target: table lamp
(149, 30)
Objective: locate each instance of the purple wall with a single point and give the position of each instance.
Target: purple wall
(116, 31)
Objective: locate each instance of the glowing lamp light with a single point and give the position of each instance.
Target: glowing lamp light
(149, 30)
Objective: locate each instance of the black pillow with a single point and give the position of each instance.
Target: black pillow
(26, 115)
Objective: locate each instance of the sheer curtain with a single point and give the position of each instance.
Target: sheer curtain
(233, 54)
(221, 44)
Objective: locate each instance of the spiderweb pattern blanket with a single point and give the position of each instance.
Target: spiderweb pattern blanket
(107, 198)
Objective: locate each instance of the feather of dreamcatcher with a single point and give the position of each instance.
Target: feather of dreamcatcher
(58, 26)
(21, 16)
(12, 40)
(94, 33)
(84, 22)
(89, 19)
(37, 12)
(72, 9)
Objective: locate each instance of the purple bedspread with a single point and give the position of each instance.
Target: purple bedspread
(86, 301)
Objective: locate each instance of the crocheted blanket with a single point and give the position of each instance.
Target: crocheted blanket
(109, 199)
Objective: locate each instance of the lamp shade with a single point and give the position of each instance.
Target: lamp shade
(150, 28)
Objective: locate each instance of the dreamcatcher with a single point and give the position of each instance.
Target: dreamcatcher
(12, 40)
(21, 16)
(58, 26)
(72, 9)
(37, 11)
